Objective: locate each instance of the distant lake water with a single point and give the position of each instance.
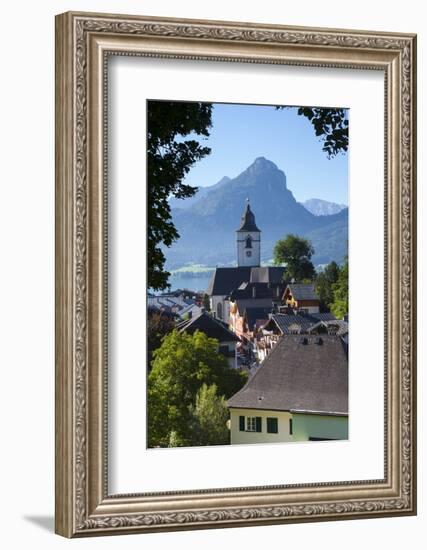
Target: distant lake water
(199, 283)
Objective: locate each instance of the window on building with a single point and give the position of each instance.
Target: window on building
(219, 310)
(248, 241)
(272, 426)
(291, 428)
(250, 423)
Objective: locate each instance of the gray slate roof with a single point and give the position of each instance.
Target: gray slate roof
(309, 377)
(288, 322)
(247, 223)
(339, 325)
(212, 327)
(326, 316)
(226, 279)
(303, 292)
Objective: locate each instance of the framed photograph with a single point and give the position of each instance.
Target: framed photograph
(235, 274)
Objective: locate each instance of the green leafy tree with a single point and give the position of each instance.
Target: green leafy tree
(210, 415)
(330, 125)
(175, 440)
(169, 158)
(295, 252)
(324, 281)
(339, 305)
(159, 324)
(182, 364)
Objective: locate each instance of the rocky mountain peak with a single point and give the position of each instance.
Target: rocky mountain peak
(263, 172)
(207, 226)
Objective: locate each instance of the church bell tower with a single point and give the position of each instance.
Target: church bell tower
(248, 240)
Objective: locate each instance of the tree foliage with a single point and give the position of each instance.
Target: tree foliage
(295, 252)
(182, 364)
(330, 125)
(169, 158)
(159, 323)
(339, 305)
(209, 418)
(324, 282)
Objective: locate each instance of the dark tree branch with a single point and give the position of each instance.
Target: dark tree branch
(169, 159)
(330, 125)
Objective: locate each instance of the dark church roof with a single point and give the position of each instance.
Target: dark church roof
(226, 279)
(213, 328)
(248, 220)
(254, 314)
(258, 303)
(257, 290)
(267, 274)
(305, 374)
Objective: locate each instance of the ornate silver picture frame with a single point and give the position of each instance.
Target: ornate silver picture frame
(84, 42)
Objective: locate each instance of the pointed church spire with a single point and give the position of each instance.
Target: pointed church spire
(248, 219)
(248, 240)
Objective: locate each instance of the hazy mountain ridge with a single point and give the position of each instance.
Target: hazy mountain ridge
(200, 193)
(207, 226)
(320, 207)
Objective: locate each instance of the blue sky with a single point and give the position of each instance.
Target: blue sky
(241, 133)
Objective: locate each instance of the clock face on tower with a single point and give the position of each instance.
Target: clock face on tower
(248, 253)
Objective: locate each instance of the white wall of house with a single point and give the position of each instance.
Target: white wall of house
(224, 308)
(245, 437)
(304, 427)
